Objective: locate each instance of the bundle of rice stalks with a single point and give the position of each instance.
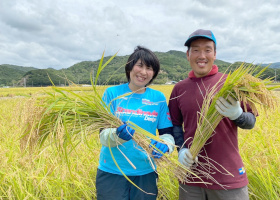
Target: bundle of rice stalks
(72, 113)
(243, 84)
(68, 117)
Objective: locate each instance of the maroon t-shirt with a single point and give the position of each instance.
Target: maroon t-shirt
(222, 147)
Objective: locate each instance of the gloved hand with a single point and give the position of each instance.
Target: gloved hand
(230, 108)
(125, 132)
(160, 146)
(186, 158)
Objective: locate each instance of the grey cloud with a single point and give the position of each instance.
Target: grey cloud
(62, 33)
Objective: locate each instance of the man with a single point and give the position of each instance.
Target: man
(222, 148)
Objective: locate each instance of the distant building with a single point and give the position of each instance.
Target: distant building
(171, 82)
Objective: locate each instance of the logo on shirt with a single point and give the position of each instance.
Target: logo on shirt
(241, 170)
(148, 115)
(148, 102)
(168, 116)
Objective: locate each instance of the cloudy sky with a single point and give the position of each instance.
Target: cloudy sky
(60, 33)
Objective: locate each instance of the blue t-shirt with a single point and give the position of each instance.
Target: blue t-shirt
(149, 111)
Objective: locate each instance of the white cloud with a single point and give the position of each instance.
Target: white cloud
(61, 33)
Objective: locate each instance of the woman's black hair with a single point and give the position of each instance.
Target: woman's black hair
(147, 57)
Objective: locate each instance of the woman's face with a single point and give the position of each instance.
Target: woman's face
(140, 76)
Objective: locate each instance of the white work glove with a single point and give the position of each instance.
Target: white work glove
(168, 138)
(108, 135)
(230, 108)
(186, 158)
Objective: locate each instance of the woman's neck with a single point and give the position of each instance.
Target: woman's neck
(138, 90)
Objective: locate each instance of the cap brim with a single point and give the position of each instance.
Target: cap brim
(188, 42)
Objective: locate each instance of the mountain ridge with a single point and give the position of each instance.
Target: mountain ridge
(174, 66)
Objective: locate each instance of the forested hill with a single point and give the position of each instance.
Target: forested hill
(174, 66)
(11, 74)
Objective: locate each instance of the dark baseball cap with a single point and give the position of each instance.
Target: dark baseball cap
(200, 33)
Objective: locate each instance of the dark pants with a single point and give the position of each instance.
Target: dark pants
(117, 187)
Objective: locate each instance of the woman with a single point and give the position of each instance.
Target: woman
(148, 109)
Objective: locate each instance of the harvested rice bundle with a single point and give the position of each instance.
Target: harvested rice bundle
(241, 84)
(71, 114)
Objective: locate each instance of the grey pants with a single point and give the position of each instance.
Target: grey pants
(197, 193)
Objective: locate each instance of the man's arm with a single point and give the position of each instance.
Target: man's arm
(246, 120)
(178, 135)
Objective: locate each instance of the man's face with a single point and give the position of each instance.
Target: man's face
(201, 56)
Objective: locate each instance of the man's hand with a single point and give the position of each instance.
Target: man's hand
(125, 132)
(230, 108)
(160, 146)
(186, 158)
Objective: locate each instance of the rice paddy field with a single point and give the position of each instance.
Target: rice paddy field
(29, 174)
